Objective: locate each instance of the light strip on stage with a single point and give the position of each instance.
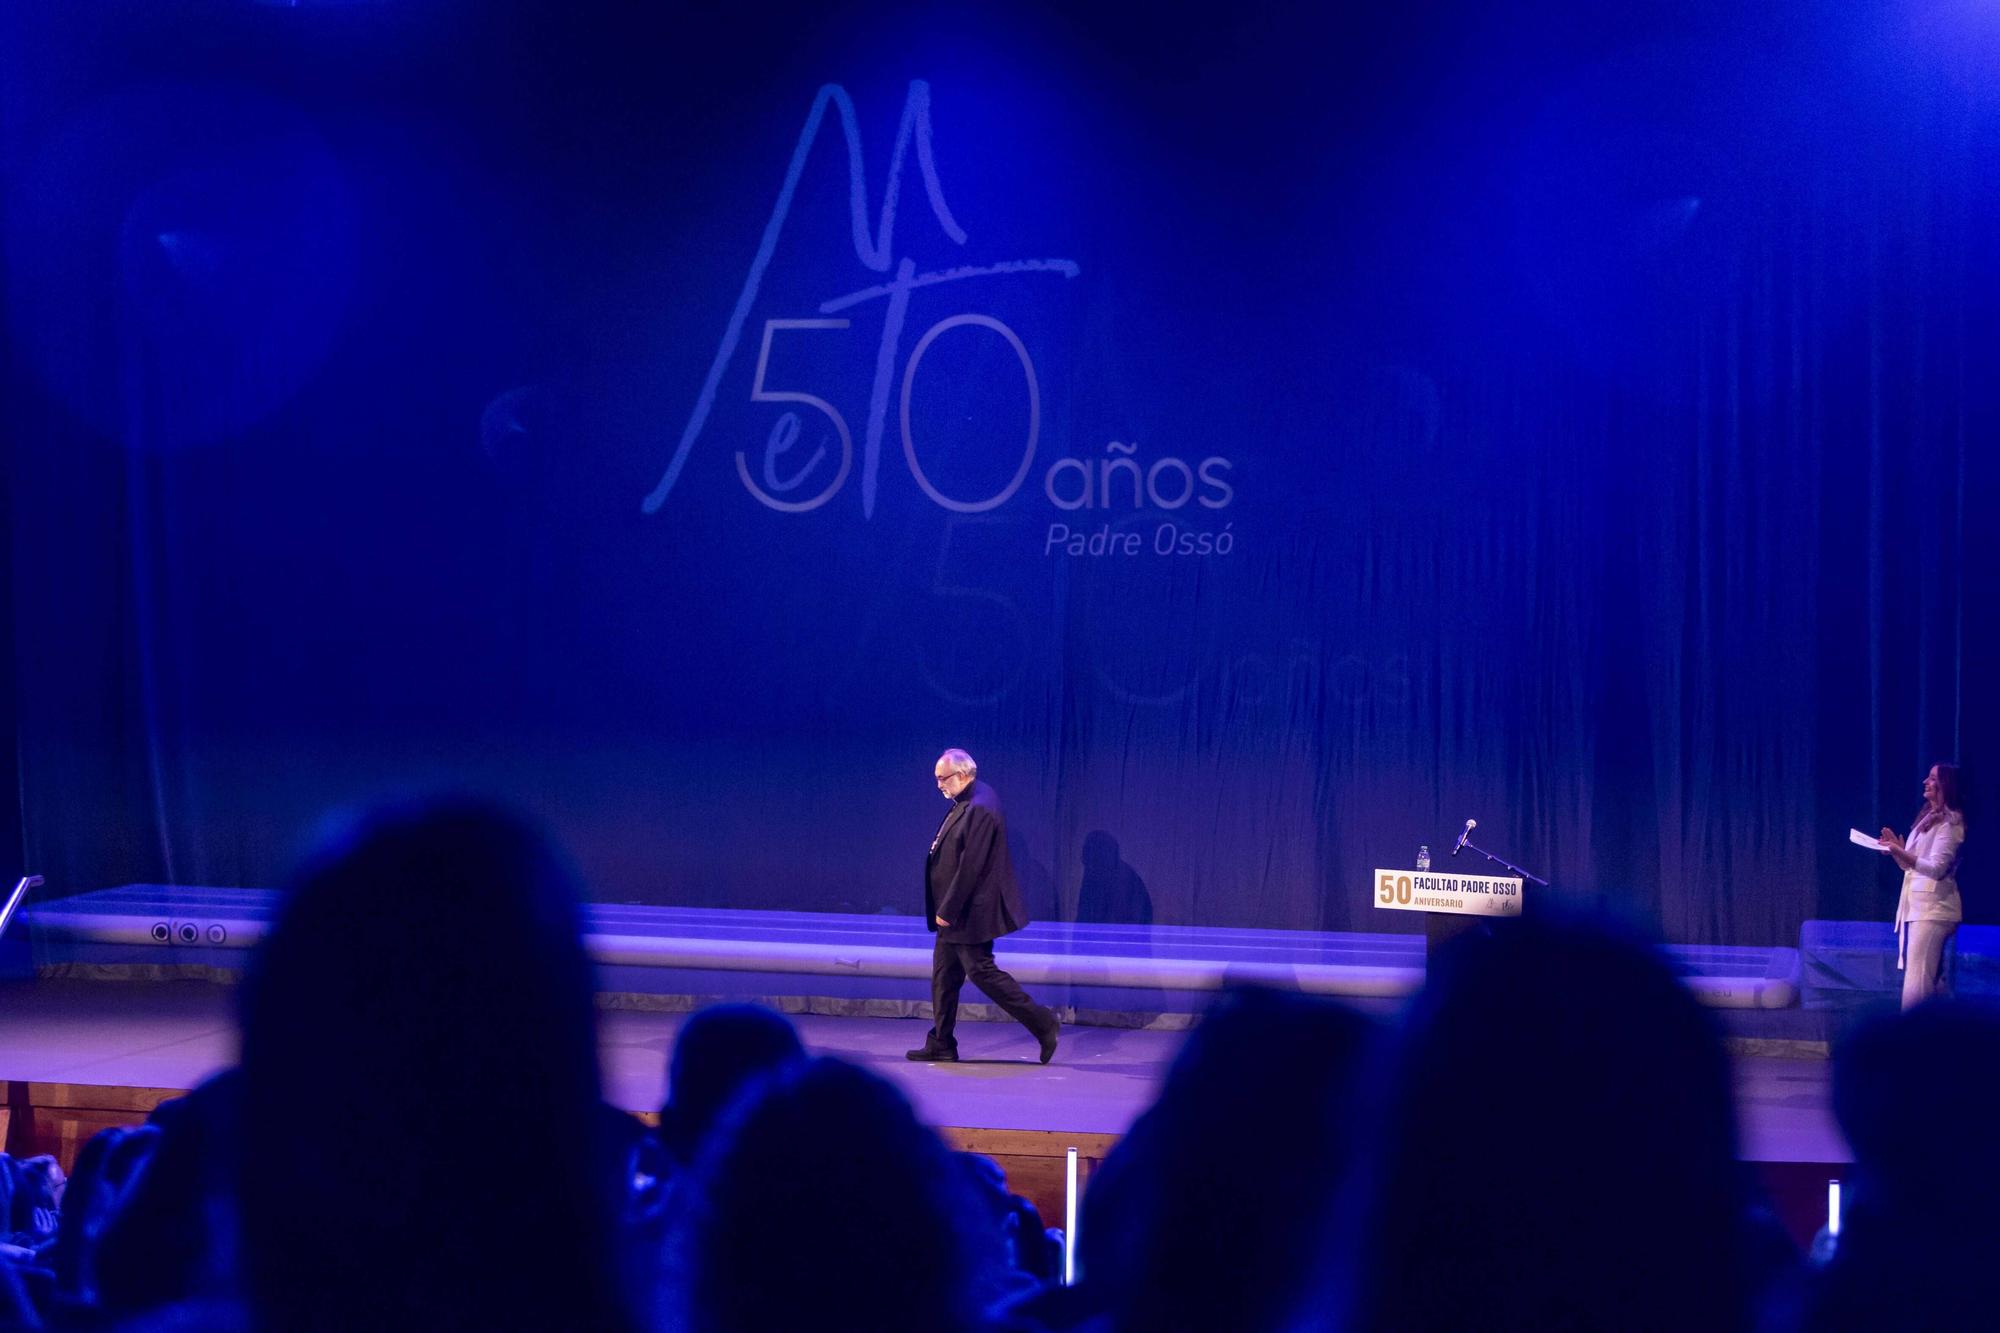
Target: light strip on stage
(1069, 1218)
(1833, 1209)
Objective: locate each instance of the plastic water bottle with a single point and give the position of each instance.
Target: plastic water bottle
(1423, 858)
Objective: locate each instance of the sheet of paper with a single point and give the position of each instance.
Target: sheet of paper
(1860, 839)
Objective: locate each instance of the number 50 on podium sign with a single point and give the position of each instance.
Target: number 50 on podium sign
(1427, 891)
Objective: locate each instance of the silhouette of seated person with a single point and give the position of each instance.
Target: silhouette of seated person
(821, 1203)
(1029, 1258)
(1917, 1096)
(107, 1172)
(31, 1197)
(1111, 890)
(717, 1053)
(1558, 1148)
(424, 1145)
(171, 1237)
(31, 1193)
(1207, 1214)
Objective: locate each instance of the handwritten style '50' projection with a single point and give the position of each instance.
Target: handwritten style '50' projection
(877, 254)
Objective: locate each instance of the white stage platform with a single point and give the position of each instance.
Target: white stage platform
(853, 964)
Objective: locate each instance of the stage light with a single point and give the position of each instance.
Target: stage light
(1069, 1218)
(1833, 1209)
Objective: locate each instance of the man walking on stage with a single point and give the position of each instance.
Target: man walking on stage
(970, 900)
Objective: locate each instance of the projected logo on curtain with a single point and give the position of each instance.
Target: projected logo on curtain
(783, 476)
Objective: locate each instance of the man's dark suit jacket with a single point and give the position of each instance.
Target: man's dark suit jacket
(969, 879)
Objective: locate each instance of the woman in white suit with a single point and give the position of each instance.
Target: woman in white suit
(1928, 913)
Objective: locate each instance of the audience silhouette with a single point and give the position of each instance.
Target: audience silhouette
(1188, 1224)
(1557, 1147)
(422, 1138)
(1915, 1094)
(717, 1053)
(416, 1139)
(105, 1174)
(888, 1227)
(172, 1237)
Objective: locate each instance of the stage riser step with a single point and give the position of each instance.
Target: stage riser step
(141, 924)
(1852, 964)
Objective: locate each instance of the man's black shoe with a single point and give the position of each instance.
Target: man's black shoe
(1048, 1038)
(933, 1054)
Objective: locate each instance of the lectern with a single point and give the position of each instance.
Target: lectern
(1453, 904)
(1431, 891)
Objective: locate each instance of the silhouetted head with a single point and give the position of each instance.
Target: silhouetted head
(423, 1142)
(1193, 1222)
(1899, 1083)
(106, 1171)
(31, 1197)
(173, 1238)
(718, 1052)
(1916, 1095)
(1024, 1243)
(1560, 1125)
(1100, 852)
(821, 1203)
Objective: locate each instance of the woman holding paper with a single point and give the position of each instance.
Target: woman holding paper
(1928, 913)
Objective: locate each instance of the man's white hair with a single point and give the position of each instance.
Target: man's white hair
(958, 761)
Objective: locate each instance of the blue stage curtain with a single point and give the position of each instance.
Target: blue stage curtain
(1603, 412)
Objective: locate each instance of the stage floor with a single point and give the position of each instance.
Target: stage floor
(158, 1035)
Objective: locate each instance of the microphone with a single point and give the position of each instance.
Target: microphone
(1464, 833)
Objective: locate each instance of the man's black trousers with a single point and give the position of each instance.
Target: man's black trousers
(952, 965)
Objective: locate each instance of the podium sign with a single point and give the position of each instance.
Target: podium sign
(1429, 891)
